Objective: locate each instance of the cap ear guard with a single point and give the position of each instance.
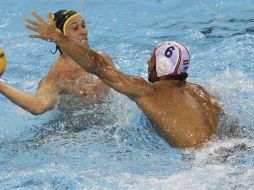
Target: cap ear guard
(163, 66)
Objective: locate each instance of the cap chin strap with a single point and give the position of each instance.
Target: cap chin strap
(163, 66)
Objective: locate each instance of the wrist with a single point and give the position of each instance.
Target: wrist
(61, 39)
(1, 85)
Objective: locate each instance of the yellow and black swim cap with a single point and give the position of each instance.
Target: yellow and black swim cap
(62, 17)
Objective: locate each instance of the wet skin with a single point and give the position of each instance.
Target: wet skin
(65, 76)
(184, 114)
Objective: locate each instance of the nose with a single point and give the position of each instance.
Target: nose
(83, 31)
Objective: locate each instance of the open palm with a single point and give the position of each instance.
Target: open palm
(44, 30)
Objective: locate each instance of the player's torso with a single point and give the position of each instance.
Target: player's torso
(179, 113)
(75, 80)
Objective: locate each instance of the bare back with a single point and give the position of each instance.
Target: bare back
(184, 114)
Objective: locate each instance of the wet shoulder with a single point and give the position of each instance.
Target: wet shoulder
(203, 96)
(198, 90)
(50, 76)
(163, 92)
(55, 70)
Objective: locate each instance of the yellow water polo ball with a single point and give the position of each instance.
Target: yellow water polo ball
(2, 61)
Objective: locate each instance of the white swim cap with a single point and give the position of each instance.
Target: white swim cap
(171, 59)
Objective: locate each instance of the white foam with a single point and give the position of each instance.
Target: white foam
(232, 80)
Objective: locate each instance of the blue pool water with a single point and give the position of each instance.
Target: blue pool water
(111, 145)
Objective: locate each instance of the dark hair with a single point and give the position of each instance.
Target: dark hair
(180, 77)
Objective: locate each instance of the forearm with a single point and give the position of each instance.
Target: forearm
(22, 99)
(85, 57)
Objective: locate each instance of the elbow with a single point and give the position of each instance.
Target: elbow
(36, 113)
(38, 110)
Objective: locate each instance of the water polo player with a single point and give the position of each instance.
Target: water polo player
(65, 76)
(185, 114)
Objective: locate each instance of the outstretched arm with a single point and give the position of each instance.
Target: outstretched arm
(90, 60)
(43, 100)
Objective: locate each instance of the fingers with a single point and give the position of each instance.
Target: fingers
(50, 18)
(34, 36)
(31, 21)
(40, 19)
(38, 36)
(43, 30)
(31, 28)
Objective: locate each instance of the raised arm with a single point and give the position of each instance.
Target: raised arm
(90, 60)
(94, 63)
(43, 100)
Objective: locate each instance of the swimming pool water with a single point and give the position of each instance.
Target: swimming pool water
(111, 145)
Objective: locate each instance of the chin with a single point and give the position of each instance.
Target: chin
(84, 44)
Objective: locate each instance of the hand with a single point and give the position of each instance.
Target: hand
(45, 31)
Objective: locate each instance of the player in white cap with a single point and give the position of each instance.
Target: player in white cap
(171, 61)
(184, 114)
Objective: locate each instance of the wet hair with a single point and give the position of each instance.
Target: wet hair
(180, 77)
(61, 18)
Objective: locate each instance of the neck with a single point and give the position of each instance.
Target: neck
(65, 56)
(170, 82)
(180, 77)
